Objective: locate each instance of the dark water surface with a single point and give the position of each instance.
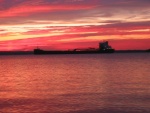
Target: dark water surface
(96, 83)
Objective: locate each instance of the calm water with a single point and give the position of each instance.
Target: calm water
(96, 83)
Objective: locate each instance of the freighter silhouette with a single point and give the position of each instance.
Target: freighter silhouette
(104, 47)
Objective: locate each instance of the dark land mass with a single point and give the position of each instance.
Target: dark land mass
(111, 110)
(104, 47)
(40, 52)
(16, 52)
(70, 52)
(132, 51)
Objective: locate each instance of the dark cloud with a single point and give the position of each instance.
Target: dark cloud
(125, 3)
(144, 24)
(10, 11)
(1, 30)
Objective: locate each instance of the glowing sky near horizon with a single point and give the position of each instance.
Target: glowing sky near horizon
(68, 24)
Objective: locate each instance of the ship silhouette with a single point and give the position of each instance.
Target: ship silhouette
(104, 47)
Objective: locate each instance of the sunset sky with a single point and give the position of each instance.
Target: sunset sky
(69, 24)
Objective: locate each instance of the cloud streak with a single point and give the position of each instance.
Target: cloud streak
(53, 22)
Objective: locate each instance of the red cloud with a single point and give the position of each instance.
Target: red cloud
(141, 28)
(28, 10)
(128, 44)
(114, 29)
(44, 43)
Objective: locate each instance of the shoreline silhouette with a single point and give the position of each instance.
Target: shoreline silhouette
(32, 53)
(104, 47)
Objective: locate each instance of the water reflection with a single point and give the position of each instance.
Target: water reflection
(77, 83)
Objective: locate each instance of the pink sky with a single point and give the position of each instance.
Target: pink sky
(68, 24)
